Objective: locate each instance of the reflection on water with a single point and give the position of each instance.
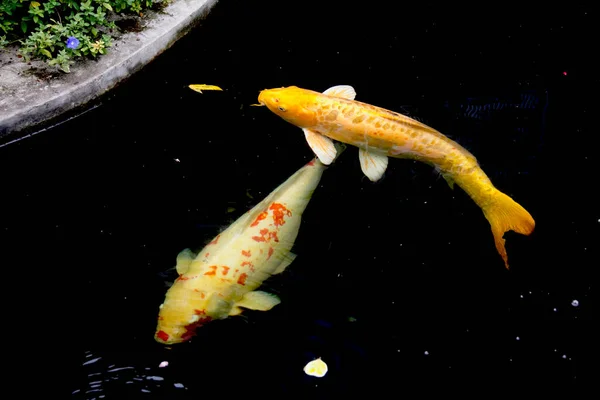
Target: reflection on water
(101, 376)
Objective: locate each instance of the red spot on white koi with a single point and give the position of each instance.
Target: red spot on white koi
(190, 330)
(225, 270)
(260, 217)
(182, 278)
(206, 255)
(279, 212)
(213, 270)
(265, 236)
(311, 163)
(270, 252)
(248, 264)
(246, 253)
(242, 279)
(199, 312)
(162, 335)
(215, 240)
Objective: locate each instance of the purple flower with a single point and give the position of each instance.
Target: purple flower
(72, 42)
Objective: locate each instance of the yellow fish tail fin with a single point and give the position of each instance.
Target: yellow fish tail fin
(504, 214)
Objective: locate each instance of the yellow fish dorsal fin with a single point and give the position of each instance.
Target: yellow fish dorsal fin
(322, 146)
(343, 91)
(287, 260)
(184, 259)
(372, 164)
(258, 300)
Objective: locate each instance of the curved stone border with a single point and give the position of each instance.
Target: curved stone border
(27, 100)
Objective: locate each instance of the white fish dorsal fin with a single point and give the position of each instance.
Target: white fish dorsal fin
(321, 145)
(373, 165)
(287, 260)
(258, 300)
(184, 259)
(343, 91)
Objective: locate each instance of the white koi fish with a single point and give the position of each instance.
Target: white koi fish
(223, 277)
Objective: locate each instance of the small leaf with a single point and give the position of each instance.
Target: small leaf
(200, 88)
(24, 26)
(107, 6)
(34, 4)
(46, 53)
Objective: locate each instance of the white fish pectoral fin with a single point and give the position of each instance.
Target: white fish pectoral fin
(235, 310)
(373, 165)
(343, 91)
(258, 300)
(321, 145)
(184, 259)
(287, 260)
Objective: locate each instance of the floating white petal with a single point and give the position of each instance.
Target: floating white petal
(316, 368)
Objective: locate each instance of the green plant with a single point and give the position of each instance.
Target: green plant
(46, 29)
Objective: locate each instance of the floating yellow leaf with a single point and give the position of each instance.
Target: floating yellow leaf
(316, 368)
(34, 4)
(200, 88)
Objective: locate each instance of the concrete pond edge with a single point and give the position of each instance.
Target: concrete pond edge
(28, 101)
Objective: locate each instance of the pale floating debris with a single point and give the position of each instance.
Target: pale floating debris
(554, 309)
(316, 368)
(178, 385)
(163, 364)
(145, 390)
(176, 160)
(119, 369)
(426, 353)
(200, 88)
(518, 338)
(155, 378)
(575, 303)
(92, 361)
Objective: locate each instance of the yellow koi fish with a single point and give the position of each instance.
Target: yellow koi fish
(379, 134)
(223, 277)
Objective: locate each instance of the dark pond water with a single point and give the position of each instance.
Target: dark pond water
(397, 285)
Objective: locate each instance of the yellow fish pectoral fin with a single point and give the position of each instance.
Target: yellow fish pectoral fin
(200, 88)
(184, 259)
(373, 165)
(287, 260)
(321, 145)
(343, 91)
(258, 300)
